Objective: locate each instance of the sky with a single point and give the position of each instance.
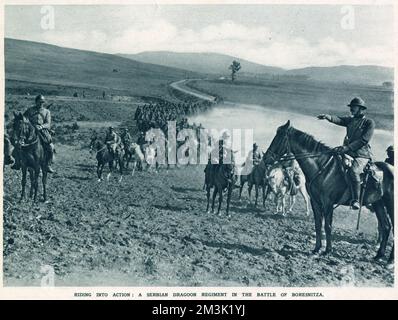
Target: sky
(287, 36)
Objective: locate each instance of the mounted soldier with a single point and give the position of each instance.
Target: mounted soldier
(390, 155)
(40, 118)
(356, 143)
(112, 141)
(126, 138)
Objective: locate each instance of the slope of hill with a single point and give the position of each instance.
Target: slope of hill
(206, 62)
(43, 63)
(355, 74)
(214, 63)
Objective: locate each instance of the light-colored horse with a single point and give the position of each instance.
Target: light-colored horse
(279, 185)
(136, 156)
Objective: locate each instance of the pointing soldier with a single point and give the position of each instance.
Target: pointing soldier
(356, 143)
(40, 118)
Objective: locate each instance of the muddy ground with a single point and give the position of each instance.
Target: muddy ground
(153, 230)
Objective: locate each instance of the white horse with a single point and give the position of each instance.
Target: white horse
(279, 185)
(138, 156)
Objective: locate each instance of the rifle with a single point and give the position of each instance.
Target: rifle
(48, 107)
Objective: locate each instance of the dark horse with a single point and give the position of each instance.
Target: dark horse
(32, 154)
(327, 186)
(256, 178)
(104, 157)
(221, 177)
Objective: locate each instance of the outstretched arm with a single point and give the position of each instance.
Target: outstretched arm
(340, 121)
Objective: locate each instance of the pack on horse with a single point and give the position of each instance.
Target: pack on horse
(105, 155)
(32, 155)
(327, 185)
(221, 176)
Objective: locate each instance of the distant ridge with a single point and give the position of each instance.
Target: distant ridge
(217, 64)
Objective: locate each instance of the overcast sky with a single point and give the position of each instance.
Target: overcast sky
(285, 36)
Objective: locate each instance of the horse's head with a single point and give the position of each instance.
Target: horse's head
(22, 130)
(279, 145)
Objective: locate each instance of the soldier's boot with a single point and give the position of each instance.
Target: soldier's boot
(355, 191)
(17, 158)
(50, 152)
(8, 160)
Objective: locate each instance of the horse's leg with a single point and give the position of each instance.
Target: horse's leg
(37, 173)
(121, 169)
(214, 198)
(24, 170)
(292, 202)
(256, 189)
(318, 225)
(304, 193)
(220, 198)
(229, 199)
(32, 183)
(390, 211)
(265, 194)
(134, 166)
(284, 205)
(250, 191)
(44, 183)
(385, 227)
(208, 198)
(242, 184)
(110, 165)
(328, 228)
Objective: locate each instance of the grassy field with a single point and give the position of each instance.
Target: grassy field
(306, 97)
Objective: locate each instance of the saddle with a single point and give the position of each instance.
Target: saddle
(371, 172)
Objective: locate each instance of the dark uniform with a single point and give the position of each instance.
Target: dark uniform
(126, 138)
(112, 140)
(356, 143)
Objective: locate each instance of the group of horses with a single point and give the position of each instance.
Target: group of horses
(325, 180)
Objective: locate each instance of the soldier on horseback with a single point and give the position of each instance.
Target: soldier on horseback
(356, 143)
(126, 138)
(254, 155)
(40, 118)
(390, 155)
(112, 141)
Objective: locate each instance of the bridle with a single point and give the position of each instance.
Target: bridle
(281, 157)
(21, 132)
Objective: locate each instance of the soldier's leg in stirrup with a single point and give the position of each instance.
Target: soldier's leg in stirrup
(354, 172)
(50, 157)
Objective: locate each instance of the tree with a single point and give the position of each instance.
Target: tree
(234, 67)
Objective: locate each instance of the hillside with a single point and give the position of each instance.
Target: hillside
(206, 62)
(214, 63)
(375, 75)
(43, 63)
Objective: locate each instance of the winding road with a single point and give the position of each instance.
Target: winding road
(181, 86)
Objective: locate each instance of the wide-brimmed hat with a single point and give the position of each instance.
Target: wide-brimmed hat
(357, 101)
(390, 148)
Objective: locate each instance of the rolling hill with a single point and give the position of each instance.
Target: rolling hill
(354, 74)
(49, 64)
(217, 64)
(206, 62)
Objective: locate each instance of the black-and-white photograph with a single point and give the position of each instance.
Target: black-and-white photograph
(198, 145)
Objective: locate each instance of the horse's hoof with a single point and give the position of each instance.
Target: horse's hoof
(378, 257)
(315, 252)
(326, 253)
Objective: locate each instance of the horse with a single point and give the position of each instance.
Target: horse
(283, 187)
(327, 185)
(133, 153)
(32, 154)
(257, 178)
(221, 177)
(103, 157)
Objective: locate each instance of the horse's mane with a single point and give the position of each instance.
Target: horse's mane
(308, 140)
